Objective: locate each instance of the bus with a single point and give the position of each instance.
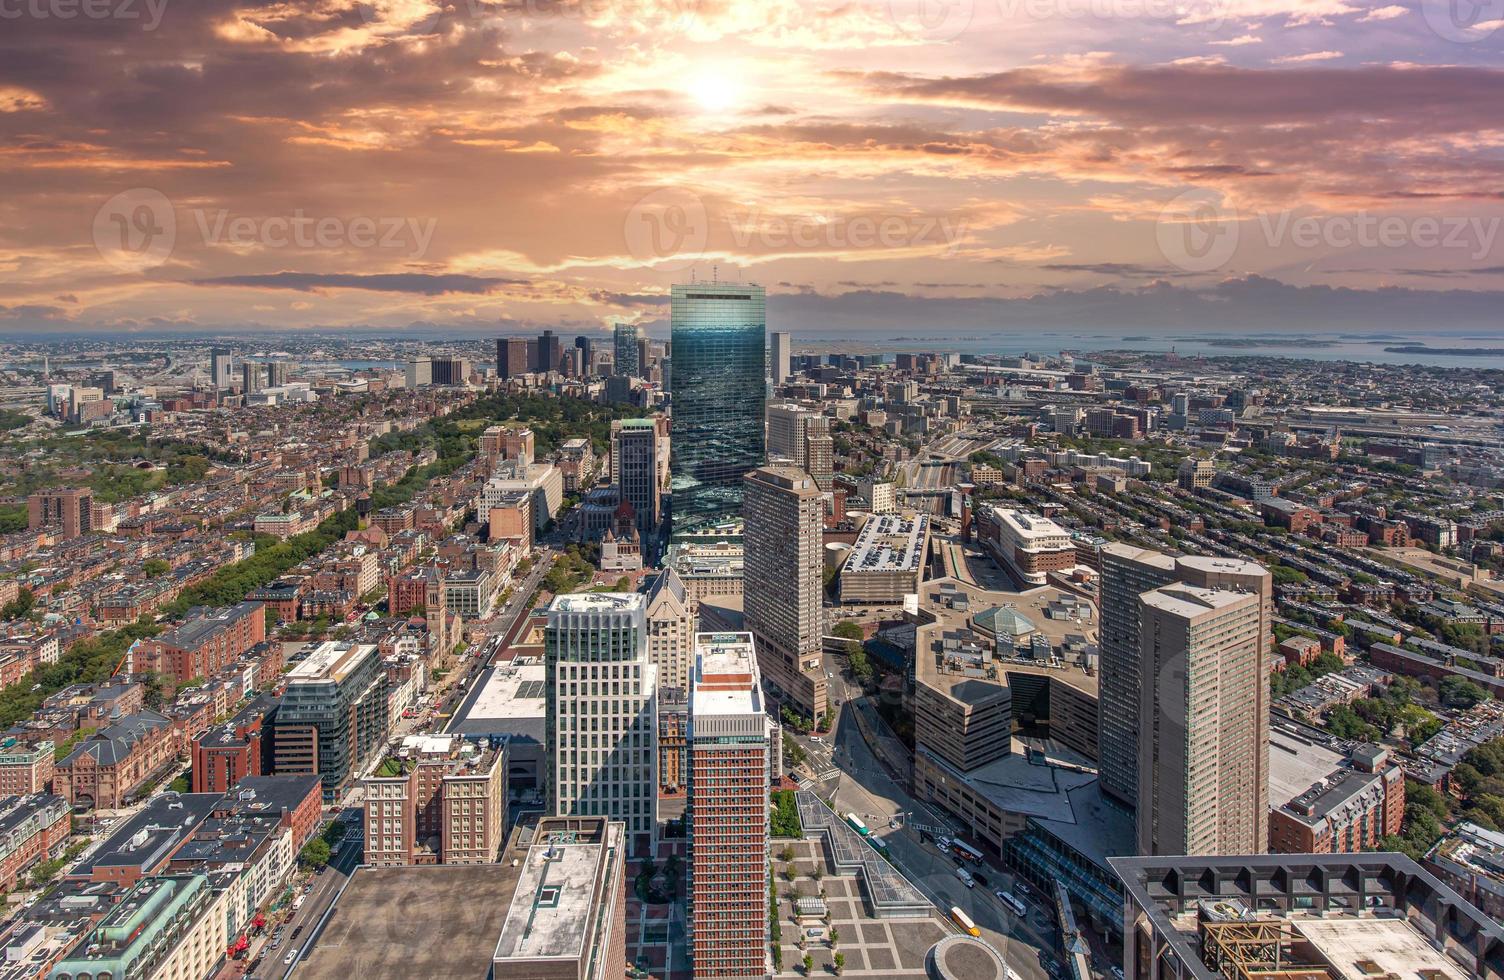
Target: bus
(965, 851)
(878, 845)
(857, 825)
(964, 921)
(1019, 908)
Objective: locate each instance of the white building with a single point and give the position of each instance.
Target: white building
(542, 480)
(602, 724)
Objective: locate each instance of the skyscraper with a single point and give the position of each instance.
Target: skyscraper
(1127, 573)
(718, 397)
(250, 377)
(419, 372)
(602, 715)
(624, 336)
(586, 347)
(801, 436)
(1198, 740)
(781, 357)
(550, 352)
(634, 469)
(221, 369)
(511, 357)
(728, 809)
(276, 373)
(783, 582)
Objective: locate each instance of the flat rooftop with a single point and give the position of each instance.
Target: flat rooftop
(579, 602)
(725, 658)
(1295, 765)
(550, 911)
(511, 691)
(331, 661)
(1363, 948)
(437, 921)
(890, 543)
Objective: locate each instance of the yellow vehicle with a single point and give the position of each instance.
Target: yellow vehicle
(964, 921)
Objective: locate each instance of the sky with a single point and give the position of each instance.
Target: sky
(453, 166)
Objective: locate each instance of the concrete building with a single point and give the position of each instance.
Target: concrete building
(671, 619)
(509, 701)
(602, 725)
(221, 369)
(1028, 545)
(1195, 474)
(888, 560)
(437, 799)
(800, 435)
(543, 481)
(418, 372)
(709, 570)
(729, 745)
(333, 718)
(1346, 916)
(780, 357)
(634, 470)
(577, 463)
(511, 357)
(783, 597)
(1200, 653)
(1471, 860)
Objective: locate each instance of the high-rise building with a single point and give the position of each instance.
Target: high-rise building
(511, 357)
(333, 716)
(276, 373)
(800, 435)
(221, 368)
(1127, 573)
(729, 744)
(250, 377)
(550, 352)
(718, 398)
(449, 370)
(672, 614)
(1199, 651)
(624, 337)
(419, 372)
(602, 719)
(437, 800)
(68, 509)
(783, 582)
(634, 470)
(586, 347)
(780, 357)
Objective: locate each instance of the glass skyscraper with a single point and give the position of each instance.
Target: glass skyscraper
(719, 338)
(624, 338)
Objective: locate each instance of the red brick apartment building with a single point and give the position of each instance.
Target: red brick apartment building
(204, 645)
(105, 768)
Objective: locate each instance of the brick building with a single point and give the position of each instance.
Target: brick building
(207, 643)
(25, 769)
(104, 769)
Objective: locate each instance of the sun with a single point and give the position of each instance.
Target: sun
(715, 91)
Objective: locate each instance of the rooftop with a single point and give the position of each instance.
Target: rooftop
(330, 661)
(551, 908)
(890, 543)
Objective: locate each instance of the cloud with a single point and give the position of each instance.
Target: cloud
(419, 283)
(1383, 13)
(1300, 59)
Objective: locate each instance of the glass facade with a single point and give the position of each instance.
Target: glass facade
(719, 339)
(624, 338)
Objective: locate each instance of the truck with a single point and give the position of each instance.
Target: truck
(966, 878)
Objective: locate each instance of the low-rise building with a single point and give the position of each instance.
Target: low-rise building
(1328, 798)
(208, 642)
(32, 828)
(168, 928)
(437, 799)
(26, 769)
(105, 769)
(888, 560)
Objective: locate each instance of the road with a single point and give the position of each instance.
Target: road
(301, 928)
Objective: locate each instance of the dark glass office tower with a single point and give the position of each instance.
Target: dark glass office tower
(719, 336)
(624, 339)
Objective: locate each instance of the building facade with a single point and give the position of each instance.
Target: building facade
(333, 716)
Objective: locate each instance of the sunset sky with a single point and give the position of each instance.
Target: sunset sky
(881, 166)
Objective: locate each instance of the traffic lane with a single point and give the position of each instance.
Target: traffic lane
(879, 796)
(304, 922)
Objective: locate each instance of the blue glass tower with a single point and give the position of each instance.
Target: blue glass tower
(719, 337)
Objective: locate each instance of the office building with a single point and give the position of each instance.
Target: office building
(1198, 755)
(1029, 545)
(437, 799)
(333, 718)
(1127, 573)
(449, 370)
(251, 374)
(780, 357)
(729, 744)
(634, 470)
(577, 464)
(221, 369)
(800, 435)
(718, 394)
(419, 372)
(671, 616)
(783, 588)
(602, 723)
(511, 357)
(277, 373)
(625, 337)
(69, 511)
(1306, 916)
(543, 482)
(550, 352)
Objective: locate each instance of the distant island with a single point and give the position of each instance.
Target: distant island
(1446, 351)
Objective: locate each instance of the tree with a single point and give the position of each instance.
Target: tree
(1459, 692)
(787, 854)
(856, 657)
(840, 963)
(315, 853)
(155, 567)
(848, 630)
(809, 964)
(835, 936)
(20, 606)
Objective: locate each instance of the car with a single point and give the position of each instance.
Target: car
(291, 957)
(981, 878)
(1002, 896)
